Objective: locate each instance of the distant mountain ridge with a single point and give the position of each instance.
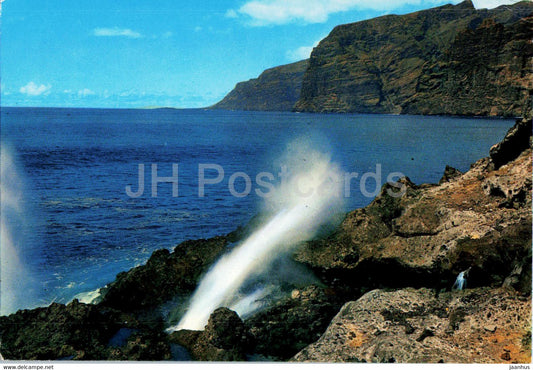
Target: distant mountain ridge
(276, 89)
(452, 60)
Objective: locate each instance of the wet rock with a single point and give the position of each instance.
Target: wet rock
(77, 331)
(289, 325)
(225, 330)
(373, 328)
(223, 339)
(164, 275)
(426, 333)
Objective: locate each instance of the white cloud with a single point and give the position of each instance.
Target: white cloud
(85, 92)
(268, 12)
(303, 52)
(116, 32)
(32, 89)
(265, 12)
(489, 4)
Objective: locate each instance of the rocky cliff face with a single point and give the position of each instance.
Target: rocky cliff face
(276, 89)
(446, 60)
(487, 71)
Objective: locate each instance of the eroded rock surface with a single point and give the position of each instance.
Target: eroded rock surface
(479, 220)
(480, 325)
(79, 331)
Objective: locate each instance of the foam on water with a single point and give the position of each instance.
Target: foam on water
(89, 297)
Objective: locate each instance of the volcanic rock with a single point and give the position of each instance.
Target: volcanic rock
(223, 339)
(76, 331)
(414, 326)
(290, 324)
(452, 59)
(164, 275)
(431, 233)
(515, 142)
(450, 173)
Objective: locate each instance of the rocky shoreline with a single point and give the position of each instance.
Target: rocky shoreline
(384, 295)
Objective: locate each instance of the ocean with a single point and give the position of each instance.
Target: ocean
(73, 215)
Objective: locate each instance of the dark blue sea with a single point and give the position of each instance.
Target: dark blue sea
(70, 169)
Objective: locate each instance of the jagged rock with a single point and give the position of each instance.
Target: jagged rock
(223, 339)
(415, 326)
(164, 276)
(276, 89)
(75, 331)
(431, 233)
(225, 330)
(419, 236)
(452, 59)
(142, 348)
(450, 173)
(515, 142)
(292, 323)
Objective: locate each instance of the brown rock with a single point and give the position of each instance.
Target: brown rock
(223, 339)
(373, 328)
(430, 234)
(515, 142)
(445, 60)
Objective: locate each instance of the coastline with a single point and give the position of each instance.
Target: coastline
(350, 263)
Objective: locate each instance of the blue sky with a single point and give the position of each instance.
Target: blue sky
(131, 53)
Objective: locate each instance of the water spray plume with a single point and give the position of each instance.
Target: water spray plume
(14, 286)
(306, 201)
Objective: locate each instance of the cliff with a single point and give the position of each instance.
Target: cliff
(452, 60)
(485, 72)
(445, 60)
(276, 89)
